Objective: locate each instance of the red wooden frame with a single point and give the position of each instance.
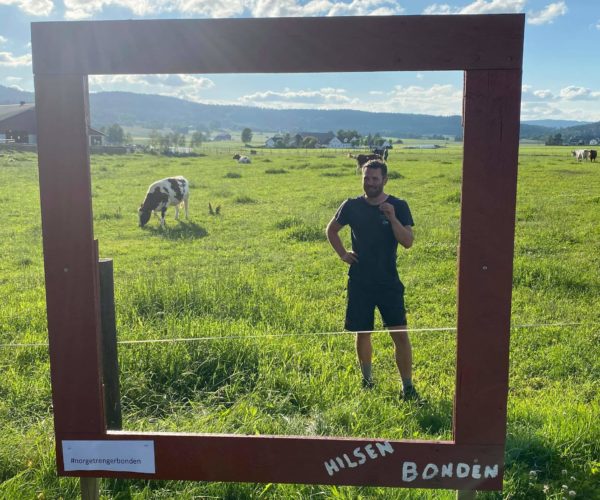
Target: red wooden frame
(488, 48)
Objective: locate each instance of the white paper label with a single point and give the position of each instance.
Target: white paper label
(126, 456)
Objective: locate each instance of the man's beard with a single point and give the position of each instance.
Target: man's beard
(373, 192)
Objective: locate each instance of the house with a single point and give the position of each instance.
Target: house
(18, 125)
(272, 142)
(323, 138)
(336, 143)
(96, 137)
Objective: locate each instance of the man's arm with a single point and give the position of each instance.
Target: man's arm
(403, 234)
(332, 231)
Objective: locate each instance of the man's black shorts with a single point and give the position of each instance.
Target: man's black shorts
(363, 299)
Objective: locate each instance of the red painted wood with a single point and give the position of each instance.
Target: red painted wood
(293, 45)
(283, 459)
(491, 135)
(69, 252)
(283, 45)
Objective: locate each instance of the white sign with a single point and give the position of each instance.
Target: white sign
(125, 456)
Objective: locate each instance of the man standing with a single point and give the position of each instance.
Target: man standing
(378, 222)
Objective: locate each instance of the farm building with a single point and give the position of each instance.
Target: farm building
(18, 125)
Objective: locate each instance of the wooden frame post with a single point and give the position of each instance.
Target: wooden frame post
(488, 48)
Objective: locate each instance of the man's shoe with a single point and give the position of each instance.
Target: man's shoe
(367, 383)
(411, 394)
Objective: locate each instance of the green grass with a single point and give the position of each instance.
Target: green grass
(262, 278)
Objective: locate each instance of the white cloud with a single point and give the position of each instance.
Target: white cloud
(31, 7)
(440, 9)
(479, 7)
(182, 80)
(436, 100)
(540, 110)
(572, 102)
(3, 40)
(598, 25)
(8, 59)
(548, 14)
(325, 98)
(189, 87)
(572, 93)
(82, 9)
(543, 94)
(529, 94)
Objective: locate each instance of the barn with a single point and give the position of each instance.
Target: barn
(18, 125)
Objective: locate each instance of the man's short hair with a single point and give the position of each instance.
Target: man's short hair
(377, 164)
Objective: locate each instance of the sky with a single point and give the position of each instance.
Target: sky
(561, 74)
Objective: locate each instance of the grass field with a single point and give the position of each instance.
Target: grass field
(263, 273)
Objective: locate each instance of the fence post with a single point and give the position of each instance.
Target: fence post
(90, 488)
(110, 361)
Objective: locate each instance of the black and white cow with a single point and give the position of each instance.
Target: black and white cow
(241, 159)
(580, 154)
(361, 159)
(162, 194)
(383, 152)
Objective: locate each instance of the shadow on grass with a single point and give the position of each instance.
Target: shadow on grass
(435, 418)
(179, 230)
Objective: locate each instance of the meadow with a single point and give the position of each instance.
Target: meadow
(261, 280)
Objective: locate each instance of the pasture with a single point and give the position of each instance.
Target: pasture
(261, 281)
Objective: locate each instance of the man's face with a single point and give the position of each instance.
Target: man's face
(373, 182)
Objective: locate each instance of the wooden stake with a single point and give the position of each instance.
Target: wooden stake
(90, 488)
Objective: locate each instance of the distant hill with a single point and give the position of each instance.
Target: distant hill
(158, 111)
(555, 123)
(154, 111)
(9, 95)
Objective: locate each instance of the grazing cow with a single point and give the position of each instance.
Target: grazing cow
(383, 152)
(162, 194)
(362, 159)
(593, 154)
(581, 154)
(241, 159)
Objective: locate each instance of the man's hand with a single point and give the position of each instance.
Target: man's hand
(388, 211)
(350, 258)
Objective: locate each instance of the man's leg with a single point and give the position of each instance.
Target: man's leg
(403, 354)
(364, 351)
(402, 351)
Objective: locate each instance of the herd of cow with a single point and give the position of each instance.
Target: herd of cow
(174, 191)
(585, 154)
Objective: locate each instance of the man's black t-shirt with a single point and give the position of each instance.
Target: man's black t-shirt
(373, 239)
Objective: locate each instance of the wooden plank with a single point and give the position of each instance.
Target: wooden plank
(282, 45)
(69, 253)
(110, 360)
(491, 134)
(285, 459)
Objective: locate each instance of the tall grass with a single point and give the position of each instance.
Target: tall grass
(257, 289)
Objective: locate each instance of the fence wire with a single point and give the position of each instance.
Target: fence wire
(305, 334)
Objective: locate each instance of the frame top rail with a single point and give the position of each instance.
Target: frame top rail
(279, 45)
